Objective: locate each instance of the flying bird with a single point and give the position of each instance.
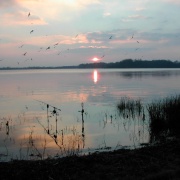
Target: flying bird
(26, 107)
(48, 48)
(137, 41)
(40, 49)
(31, 31)
(110, 37)
(21, 46)
(29, 14)
(56, 44)
(102, 56)
(25, 53)
(132, 36)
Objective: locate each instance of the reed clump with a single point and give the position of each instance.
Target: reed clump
(164, 118)
(130, 107)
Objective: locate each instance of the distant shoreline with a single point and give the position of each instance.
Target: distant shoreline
(124, 64)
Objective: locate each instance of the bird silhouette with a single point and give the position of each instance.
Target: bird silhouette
(25, 53)
(102, 56)
(21, 46)
(132, 36)
(31, 31)
(48, 48)
(137, 41)
(29, 14)
(110, 37)
(40, 49)
(56, 44)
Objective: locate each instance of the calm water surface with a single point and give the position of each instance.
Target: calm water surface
(33, 127)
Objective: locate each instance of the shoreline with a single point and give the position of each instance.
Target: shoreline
(160, 161)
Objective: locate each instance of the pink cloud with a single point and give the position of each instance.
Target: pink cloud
(20, 18)
(8, 3)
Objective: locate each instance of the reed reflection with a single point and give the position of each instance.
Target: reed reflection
(82, 114)
(96, 76)
(69, 140)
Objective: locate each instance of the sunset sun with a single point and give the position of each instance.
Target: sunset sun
(95, 59)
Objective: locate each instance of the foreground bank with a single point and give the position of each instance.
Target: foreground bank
(161, 161)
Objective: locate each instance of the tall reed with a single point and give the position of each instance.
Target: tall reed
(129, 107)
(164, 118)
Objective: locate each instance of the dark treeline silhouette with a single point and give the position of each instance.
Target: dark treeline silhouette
(38, 67)
(127, 63)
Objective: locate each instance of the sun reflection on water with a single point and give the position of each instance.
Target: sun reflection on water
(95, 76)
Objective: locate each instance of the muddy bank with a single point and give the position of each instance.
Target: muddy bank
(161, 161)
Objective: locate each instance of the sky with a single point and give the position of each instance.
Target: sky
(71, 32)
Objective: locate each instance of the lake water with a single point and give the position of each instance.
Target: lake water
(41, 110)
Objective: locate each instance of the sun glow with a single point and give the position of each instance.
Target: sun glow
(95, 59)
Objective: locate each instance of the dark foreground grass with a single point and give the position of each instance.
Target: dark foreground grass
(161, 161)
(164, 116)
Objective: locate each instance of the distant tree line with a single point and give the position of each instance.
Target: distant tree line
(127, 63)
(38, 67)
